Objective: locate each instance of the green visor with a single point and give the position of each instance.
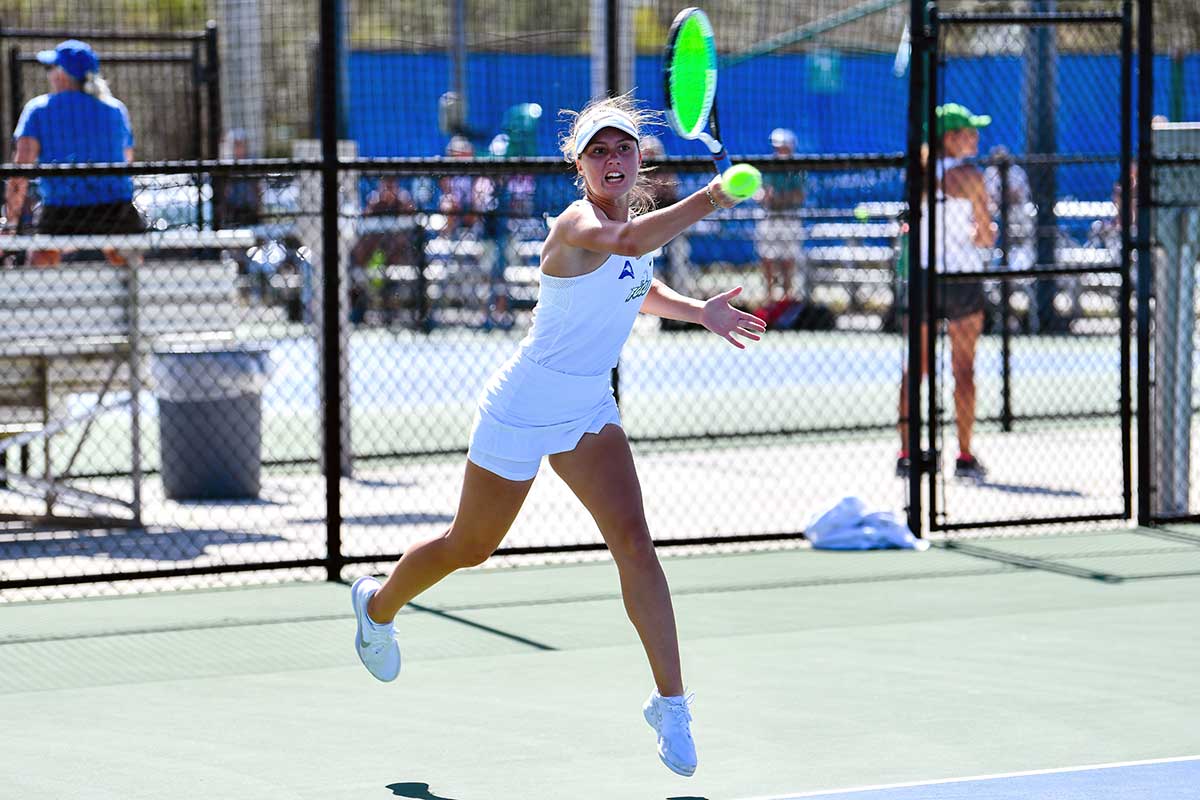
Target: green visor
(955, 117)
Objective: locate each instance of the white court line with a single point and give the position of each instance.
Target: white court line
(911, 784)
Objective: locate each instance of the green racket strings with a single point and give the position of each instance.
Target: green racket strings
(693, 75)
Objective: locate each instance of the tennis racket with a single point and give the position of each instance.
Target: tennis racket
(690, 76)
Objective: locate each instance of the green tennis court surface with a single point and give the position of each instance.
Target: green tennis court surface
(813, 672)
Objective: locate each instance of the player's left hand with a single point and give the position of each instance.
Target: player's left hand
(724, 320)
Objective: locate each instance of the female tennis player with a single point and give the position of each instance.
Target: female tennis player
(554, 398)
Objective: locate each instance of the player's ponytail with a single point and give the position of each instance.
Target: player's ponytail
(95, 85)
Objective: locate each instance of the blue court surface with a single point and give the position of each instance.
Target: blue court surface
(1159, 779)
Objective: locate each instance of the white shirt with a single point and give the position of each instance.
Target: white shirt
(580, 324)
(954, 227)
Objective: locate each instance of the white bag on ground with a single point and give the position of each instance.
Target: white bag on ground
(847, 525)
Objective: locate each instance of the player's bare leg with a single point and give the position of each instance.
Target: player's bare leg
(601, 473)
(964, 335)
(486, 510)
(903, 405)
(45, 258)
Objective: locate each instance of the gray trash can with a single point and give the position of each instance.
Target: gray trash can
(210, 419)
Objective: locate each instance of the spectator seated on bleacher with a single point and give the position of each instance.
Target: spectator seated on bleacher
(464, 198)
(395, 247)
(379, 248)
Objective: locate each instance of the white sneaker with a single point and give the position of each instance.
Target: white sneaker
(671, 718)
(375, 643)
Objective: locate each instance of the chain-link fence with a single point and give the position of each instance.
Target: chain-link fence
(168, 375)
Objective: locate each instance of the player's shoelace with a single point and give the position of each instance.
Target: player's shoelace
(678, 715)
(376, 640)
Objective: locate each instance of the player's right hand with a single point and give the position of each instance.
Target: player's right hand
(719, 195)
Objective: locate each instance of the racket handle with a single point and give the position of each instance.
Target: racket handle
(720, 155)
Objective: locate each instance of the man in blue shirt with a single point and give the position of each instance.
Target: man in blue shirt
(78, 122)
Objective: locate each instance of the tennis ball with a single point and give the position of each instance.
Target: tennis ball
(741, 181)
(861, 213)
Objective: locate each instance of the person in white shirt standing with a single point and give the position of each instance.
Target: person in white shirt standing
(964, 228)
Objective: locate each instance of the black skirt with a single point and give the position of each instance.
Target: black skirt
(99, 219)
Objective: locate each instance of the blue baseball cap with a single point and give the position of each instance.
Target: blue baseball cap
(76, 58)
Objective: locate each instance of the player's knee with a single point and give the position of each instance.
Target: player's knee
(466, 551)
(473, 557)
(630, 540)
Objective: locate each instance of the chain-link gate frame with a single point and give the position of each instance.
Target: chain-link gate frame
(927, 487)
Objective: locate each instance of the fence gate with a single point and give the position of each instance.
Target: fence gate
(1028, 247)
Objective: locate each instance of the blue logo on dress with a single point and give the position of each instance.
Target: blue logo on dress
(627, 272)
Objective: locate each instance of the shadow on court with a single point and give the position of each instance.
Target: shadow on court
(390, 520)
(162, 544)
(1024, 488)
(381, 483)
(421, 791)
(417, 791)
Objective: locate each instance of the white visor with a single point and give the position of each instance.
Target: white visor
(594, 122)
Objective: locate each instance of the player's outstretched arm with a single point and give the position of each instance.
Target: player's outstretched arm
(716, 313)
(588, 229)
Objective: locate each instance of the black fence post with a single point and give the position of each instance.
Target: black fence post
(914, 179)
(212, 84)
(1006, 415)
(932, 278)
(14, 86)
(331, 344)
(1042, 133)
(612, 87)
(211, 77)
(197, 109)
(1125, 217)
(1145, 161)
(10, 126)
(13, 124)
(612, 54)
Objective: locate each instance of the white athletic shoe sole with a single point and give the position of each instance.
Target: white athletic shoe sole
(360, 594)
(678, 769)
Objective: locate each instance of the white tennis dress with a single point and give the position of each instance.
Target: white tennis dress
(558, 386)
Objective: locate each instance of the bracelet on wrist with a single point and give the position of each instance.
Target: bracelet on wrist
(709, 195)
